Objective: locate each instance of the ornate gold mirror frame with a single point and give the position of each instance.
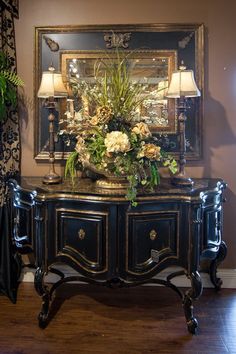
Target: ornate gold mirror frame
(156, 51)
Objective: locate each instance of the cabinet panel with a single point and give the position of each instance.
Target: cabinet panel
(82, 237)
(151, 238)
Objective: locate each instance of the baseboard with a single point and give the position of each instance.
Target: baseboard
(228, 277)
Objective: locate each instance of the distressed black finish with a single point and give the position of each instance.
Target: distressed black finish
(110, 243)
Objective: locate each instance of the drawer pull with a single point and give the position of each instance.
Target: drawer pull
(153, 235)
(81, 234)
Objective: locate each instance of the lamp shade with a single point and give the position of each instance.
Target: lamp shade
(52, 85)
(183, 84)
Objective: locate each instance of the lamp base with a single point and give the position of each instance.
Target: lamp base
(182, 180)
(52, 178)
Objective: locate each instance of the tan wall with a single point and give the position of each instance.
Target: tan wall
(219, 125)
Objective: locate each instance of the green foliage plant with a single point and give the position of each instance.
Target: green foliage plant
(9, 80)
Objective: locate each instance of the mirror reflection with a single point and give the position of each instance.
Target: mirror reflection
(150, 69)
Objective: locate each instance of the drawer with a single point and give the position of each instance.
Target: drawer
(81, 238)
(151, 239)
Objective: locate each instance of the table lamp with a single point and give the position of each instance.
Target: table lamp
(182, 85)
(51, 88)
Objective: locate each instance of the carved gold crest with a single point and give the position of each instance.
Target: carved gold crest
(117, 40)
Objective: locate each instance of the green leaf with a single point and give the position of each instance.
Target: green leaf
(9, 80)
(71, 165)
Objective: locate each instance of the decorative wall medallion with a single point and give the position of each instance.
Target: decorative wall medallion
(54, 46)
(117, 40)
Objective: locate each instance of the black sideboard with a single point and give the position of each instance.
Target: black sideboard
(108, 242)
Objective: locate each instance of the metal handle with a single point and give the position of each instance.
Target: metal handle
(153, 235)
(81, 234)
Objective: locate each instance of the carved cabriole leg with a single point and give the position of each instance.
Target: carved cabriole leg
(195, 222)
(217, 282)
(43, 291)
(191, 295)
(40, 239)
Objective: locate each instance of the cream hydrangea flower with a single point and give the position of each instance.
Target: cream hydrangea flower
(117, 141)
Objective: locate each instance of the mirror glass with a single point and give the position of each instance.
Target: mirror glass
(150, 69)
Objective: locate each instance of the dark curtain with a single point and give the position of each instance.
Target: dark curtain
(9, 160)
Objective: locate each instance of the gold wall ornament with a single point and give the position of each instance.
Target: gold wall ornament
(54, 46)
(117, 40)
(153, 235)
(81, 234)
(185, 41)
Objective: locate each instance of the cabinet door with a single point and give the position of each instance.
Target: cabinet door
(81, 239)
(151, 241)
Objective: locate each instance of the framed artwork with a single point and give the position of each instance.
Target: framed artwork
(155, 51)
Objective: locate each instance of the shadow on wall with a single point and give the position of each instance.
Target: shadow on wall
(229, 229)
(25, 110)
(218, 134)
(25, 106)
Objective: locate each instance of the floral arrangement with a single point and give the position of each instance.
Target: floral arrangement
(112, 139)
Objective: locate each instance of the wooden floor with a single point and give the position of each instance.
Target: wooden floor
(95, 320)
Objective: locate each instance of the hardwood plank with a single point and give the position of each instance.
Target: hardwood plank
(94, 320)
